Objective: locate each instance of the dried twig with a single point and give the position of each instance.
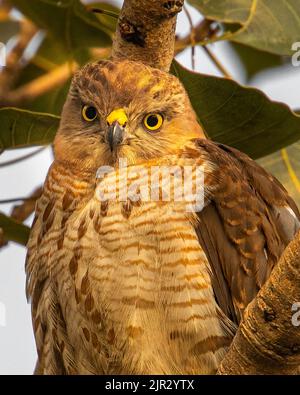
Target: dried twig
(203, 31)
(103, 12)
(21, 158)
(217, 63)
(192, 35)
(23, 211)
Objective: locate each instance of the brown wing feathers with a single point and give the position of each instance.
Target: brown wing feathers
(245, 227)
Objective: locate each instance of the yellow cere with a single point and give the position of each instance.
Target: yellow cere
(117, 116)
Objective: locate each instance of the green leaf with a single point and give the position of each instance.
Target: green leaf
(51, 102)
(255, 61)
(52, 53)
(229, 11)
(68, 21)
(22, 128)
(14, 230)
(272, 25)
(285, 165)
(238, 116)
(108, 21)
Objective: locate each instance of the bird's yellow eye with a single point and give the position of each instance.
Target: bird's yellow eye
(89, 113)
(153, 121)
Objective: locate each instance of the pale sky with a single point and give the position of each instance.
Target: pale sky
(17, 348)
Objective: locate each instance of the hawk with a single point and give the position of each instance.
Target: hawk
(140, 286)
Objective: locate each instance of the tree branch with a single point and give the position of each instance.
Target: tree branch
(216, 62)
(268, 341)
(5, 8)
(39, 86)
(204, 30)
(22, 211)
(146, 32)
(21, 158)
(13, 66)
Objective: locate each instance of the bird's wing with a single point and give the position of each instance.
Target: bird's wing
(247, 222)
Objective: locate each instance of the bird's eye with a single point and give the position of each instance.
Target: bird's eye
(89, 113)
(153, 121)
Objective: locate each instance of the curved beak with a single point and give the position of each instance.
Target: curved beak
(115, 135)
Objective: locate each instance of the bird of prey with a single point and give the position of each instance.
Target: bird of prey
(141, 286)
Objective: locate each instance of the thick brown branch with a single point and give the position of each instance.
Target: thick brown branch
(146, 32)
(268, 340)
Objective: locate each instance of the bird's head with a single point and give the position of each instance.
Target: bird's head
(123, 109)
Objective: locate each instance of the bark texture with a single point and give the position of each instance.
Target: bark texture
(146, 32)
(268, 339)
